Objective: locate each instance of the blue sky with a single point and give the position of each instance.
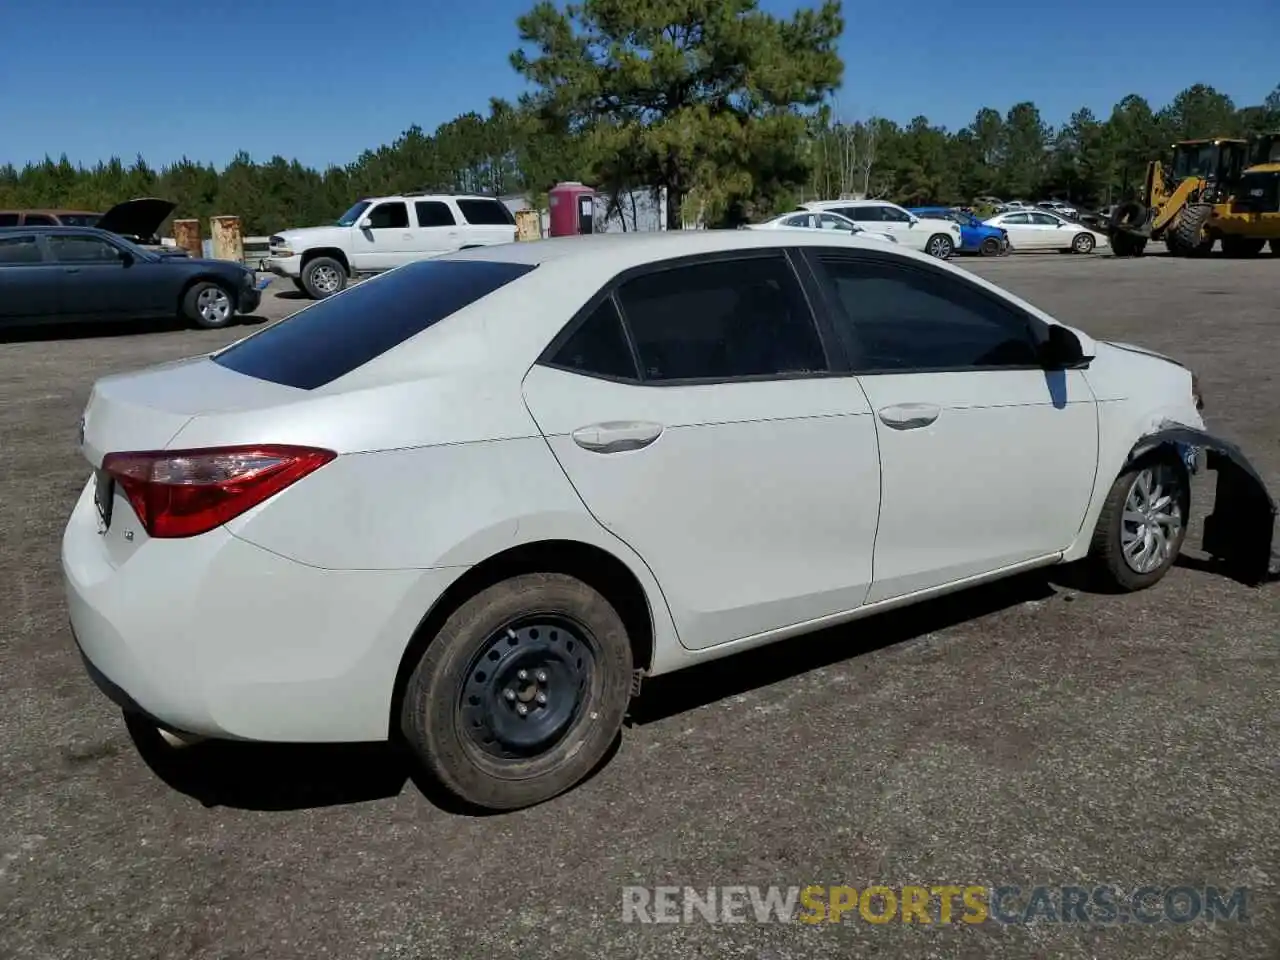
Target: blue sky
(321, 80)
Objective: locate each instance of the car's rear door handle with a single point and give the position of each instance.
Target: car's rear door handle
(615, 436)
(909, 416)
(70, 269)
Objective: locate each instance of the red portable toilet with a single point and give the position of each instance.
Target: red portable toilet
(573, 209)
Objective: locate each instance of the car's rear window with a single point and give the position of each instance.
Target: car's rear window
(333, 337)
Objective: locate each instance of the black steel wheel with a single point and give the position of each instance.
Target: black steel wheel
(521, 693)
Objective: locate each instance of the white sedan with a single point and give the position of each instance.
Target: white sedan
(822, 220)
(1042, 230)
(471, 503)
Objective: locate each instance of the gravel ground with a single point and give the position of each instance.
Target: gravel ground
(1021, 734)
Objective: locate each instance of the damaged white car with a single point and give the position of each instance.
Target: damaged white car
(471, 503)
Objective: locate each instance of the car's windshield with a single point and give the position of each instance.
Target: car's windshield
(349, 218)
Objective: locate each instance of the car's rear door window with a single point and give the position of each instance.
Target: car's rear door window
(434, 213)
(335, 336)
(722, 320)
(40, 220)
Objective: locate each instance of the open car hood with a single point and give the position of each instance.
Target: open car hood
(136, 218)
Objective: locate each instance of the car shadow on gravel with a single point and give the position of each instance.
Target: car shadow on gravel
(279, 777)
(698, 686)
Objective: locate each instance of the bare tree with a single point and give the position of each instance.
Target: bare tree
(866, 154)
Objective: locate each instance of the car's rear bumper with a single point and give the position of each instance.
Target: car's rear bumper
(211, 635)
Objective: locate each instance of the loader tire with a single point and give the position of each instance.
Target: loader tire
(1186, 238)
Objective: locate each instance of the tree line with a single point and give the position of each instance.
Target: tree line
(732, 110)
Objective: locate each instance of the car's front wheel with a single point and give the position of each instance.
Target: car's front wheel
(940, 246)
(323, 277)
(1083, 243)
(521, 693)
(208, 305)
(1142, 524)
(990, 247)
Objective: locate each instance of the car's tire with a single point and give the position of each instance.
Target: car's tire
(299, 285)
(544, 642)
(1083, 243)
(1242, 246)
(323, 277)
(1151, 494)
(209, 305)
(990, 247)
(940, 246)
(1273, 247)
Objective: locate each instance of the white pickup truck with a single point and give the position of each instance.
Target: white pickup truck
(380, 233)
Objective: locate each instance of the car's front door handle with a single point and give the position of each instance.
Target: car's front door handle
(70, 269)
(615, 436)
(909, 416)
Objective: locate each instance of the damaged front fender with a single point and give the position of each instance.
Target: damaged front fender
(1240, 530)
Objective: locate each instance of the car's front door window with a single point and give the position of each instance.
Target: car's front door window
(389, 216)
(901, 318)
(83, 250)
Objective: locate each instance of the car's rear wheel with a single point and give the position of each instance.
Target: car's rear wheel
(521, 693)
(990, 247)
(1142, 524)
(323, 277)
(1083, 243)
(209, 305)
(940, 246)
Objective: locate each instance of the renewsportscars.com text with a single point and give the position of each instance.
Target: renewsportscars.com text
(935, 904)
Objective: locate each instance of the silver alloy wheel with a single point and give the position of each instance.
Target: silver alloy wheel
(938, 247)
(1152, 520)
(214, 305)
(325, 279)
(1083, 243)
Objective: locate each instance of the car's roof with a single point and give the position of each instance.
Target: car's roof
(621, 251)
(43, 228)
(52, 211)
(850, 203)
(431, 196)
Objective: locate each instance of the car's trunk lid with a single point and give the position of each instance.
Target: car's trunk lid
(146, 410)
(136, 218)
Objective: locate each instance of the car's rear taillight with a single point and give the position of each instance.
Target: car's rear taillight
(181, 493)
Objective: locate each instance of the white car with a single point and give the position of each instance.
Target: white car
(471, 503)
(936, 237)
(822, 220)
(1042, 230)
(382, 233)
(1059, 207)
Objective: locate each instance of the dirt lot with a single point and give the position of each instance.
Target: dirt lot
(1023, 734)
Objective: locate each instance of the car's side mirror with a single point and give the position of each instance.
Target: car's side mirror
(1061, 349)
(126, 258)
(1059, 224)
(366, 224)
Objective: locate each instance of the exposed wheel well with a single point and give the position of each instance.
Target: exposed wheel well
(593, 566)
(333, 252)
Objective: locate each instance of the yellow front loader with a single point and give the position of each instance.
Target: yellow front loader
(1223, 189)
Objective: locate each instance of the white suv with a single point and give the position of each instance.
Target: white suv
(384, 232)
(938, 238)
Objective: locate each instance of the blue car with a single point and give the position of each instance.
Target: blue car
(975, 236)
